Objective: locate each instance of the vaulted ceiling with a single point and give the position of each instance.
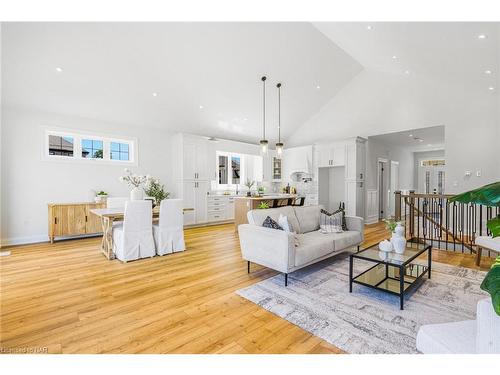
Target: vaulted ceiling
(204, 78)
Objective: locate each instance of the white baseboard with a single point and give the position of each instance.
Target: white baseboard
(23, 240)
(371, 219)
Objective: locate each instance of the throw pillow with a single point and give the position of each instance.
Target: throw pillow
(270, 223)
(331, 222)
(283, 222)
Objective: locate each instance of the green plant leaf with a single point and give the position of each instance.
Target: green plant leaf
(491, 284)
(494, 226)
(488, 195)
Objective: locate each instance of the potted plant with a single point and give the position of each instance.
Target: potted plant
(100, 196)
(263, 205)
(157, 191)
(261, 190)
(491, 284)
(249, 185)
(136, 182)
(398, 239)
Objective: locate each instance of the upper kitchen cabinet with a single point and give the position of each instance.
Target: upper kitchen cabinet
(331, 155)
(190, 158)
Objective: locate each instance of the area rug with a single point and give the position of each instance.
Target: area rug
(317, 299)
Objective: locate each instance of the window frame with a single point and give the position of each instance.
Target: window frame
(78, 138)
(229, 155)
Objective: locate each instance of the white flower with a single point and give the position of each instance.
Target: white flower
(121, 179)
(148, 177)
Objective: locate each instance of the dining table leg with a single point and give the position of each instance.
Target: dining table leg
(107, 238)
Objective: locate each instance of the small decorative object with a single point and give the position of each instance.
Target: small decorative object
(261, 190)
(385, 246)
(136, 182)
(491, 284)
(263, 206)
(249, 185)
(100, 196)
(398, 239)
(156, 190)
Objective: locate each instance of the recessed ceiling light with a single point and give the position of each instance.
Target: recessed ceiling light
(487, 72)
(59, 70)
(245, 119)
(420, 140)
(491, 88)
(155, 94)
(394, 57)
(318, 87)
(481, 36)
(201, 107)
(407, 72)
(411, 135)
(369, 27)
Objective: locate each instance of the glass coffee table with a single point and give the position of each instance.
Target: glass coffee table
(392, 273)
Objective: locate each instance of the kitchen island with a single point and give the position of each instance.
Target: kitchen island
(244, 204)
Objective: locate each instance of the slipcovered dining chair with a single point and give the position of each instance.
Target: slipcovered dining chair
(134, 239)
(169, 232)
(116, 202)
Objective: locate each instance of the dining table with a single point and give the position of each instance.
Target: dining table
(109, 216)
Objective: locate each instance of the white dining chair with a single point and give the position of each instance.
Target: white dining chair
(116, 202)
(169, 232)
(134, 239)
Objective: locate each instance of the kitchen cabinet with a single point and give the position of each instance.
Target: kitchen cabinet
(297, 160)
(331, 155)
(194, 196)
(220, 208)
(194, 159)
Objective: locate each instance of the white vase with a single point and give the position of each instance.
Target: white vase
(398, 239)
(136, 194)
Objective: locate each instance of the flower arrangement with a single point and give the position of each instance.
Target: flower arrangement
(134, 180)
(391, 224)
(156, 190)
(249, 185)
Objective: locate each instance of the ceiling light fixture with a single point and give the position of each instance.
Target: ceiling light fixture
(411, 135)
(155, 94)
(369, 27)
(491, 88)
(263, 142)
(59, 70)
(487, 72)
(201, 107)
(394, 57)
(279, 145)
(318, 87)
(420, 140)
(407, 72)
(481, 36)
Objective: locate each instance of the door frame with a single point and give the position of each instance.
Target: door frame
(392, 207)
(381, 161)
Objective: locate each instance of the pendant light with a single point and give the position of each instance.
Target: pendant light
(263, 142)
(279, 145)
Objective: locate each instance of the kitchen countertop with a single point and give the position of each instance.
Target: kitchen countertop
(270, 196)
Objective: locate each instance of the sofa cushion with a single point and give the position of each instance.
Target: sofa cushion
(489, 242)
(257, 217)
(308, 218)
(346, 239)
(270, 223)
(313, 245)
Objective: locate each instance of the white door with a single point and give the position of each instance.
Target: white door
(201, 160)
(324, 159)
(393, 186)
(431, 179)
(188, 200)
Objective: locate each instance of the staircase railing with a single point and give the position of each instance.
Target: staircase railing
(451, 226)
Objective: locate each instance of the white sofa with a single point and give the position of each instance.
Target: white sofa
(287, 252)
(480, 336)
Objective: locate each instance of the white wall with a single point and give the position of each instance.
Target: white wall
(376, 103)
(29, 183)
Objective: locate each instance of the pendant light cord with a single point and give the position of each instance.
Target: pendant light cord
(264, 107)
(279, 112)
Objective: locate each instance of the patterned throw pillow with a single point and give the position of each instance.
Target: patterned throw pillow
(270, 223)
(331, 222)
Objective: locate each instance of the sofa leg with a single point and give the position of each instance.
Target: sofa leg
(286, 279)
(478, 256)
(248, 266)
(358, 248)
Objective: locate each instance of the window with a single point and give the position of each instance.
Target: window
(119, 151)
(432, 163)
(61, 145)
(92, 149)
(230, 169)
(73, 145)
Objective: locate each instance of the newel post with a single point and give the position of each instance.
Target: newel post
(397, 205)
(412, 213)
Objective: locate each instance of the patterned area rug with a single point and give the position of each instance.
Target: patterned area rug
(317, 299)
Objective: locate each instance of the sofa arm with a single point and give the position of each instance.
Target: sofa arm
(268, 247)
(356, 223)
(487, 329)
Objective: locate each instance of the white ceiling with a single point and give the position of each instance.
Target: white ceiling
(110, 71)
(447, 51)
(423, 139)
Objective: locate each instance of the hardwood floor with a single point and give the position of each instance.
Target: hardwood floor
(68, 298)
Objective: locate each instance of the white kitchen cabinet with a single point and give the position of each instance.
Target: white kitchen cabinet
(331, 155)
(220, 208)
(194, 197)
(194, 161)
(297, 160)
(355, 165)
